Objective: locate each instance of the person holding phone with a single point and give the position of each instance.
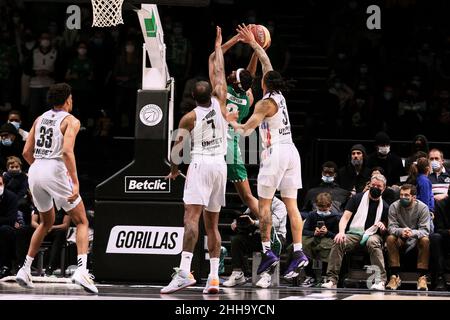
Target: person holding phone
(321, 226)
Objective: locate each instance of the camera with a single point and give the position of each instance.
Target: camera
(320, 224)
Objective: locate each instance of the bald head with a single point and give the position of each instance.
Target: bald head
(202, 92)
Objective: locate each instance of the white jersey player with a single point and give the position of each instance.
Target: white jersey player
(53, 178)
(280, 161)
(207, 174)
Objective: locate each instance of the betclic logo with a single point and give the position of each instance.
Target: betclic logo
(146, 184)
(145, 240)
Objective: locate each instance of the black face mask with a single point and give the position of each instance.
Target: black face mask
(375, 192)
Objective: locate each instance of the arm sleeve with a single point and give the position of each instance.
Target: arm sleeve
(393, 224)
(423, 225)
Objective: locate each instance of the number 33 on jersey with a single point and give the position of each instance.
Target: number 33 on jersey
(48, 135)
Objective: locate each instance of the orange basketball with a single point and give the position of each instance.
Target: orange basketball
(262, 34)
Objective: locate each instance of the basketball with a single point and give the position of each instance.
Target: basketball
(262, 34)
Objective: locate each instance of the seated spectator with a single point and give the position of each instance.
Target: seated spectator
(248, 239)
(10, 146)
(390, 194)
(440, 242)
(354, 176)
(8, 215)
(339, 195)
(383, 157)
(409, 227)
(364, 219)
(15, 180)
(15, 118)
(440, 179)
(320, 228)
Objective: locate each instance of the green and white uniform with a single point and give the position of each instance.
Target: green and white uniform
(236, 171)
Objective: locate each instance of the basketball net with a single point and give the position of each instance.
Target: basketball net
(107, 13)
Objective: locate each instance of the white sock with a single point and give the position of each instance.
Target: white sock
(82, 262)
(265, 246)
(186, 259)
(298, 246)
(27, 263)
(214, 267)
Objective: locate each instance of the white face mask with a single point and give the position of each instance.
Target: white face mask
(384, 150)
(1, 190)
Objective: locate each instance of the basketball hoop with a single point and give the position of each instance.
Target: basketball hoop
(107, 13)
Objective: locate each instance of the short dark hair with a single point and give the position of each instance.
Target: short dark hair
(202, 92)
(330, 164)
(246, 79)
(15, 112)
(411, 187)
(58, 94)
(274, 81)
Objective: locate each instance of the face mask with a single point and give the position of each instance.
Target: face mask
(45, 43)
(129, 48)
(356, 162)
(405, 202)
(82, 51)
(1, 190)
(327, 179)
(375, 192)
(323, 213)
(15, 124)
(7, 142)
(384, 150)
(435, 165)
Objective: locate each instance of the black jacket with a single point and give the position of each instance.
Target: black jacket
(339, 196)
(392, 166)
(442, 217)
(347, 178)
(8, 208)
(16, 183)
(331, 222)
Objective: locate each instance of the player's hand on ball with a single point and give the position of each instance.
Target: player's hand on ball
(246, 33)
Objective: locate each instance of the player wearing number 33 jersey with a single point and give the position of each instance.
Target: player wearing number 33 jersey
(48, 176)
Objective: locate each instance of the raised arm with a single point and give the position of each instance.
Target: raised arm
(225, 47)
(220, 85)
(247, 36)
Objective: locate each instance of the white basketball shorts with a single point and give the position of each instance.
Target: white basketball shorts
(280, 168)
(49, 181)
(206, 182)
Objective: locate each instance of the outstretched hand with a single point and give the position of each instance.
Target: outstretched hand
(245, 33)
(218, 36)
(232, 116)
